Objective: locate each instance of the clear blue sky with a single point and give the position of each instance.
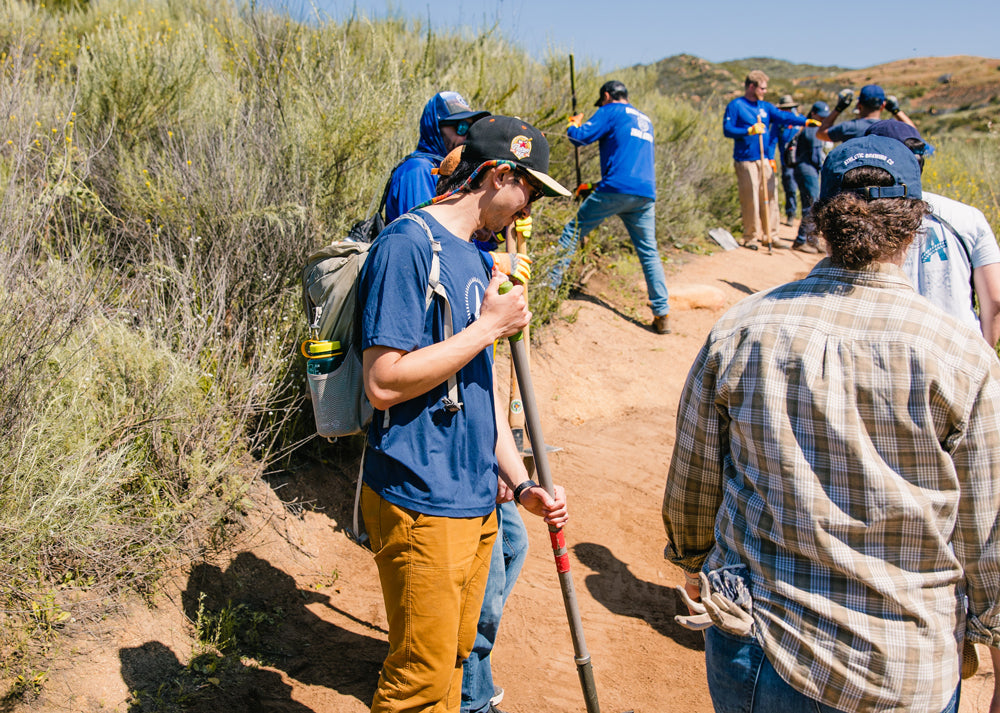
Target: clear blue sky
(620, 33)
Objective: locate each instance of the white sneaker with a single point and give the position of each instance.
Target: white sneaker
(497, 696)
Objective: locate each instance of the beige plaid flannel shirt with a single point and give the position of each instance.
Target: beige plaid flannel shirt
(839, 436)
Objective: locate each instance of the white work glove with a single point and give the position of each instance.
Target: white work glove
(713, 610)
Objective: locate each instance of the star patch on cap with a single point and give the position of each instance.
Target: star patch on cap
(521, 147)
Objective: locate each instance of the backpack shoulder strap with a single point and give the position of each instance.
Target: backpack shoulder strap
(434, 287)
(961, 240)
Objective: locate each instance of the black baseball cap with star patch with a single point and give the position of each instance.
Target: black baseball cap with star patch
(508, 138)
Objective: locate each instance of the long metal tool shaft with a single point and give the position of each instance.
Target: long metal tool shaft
(765, 197)
(576, 149)
(559, 550)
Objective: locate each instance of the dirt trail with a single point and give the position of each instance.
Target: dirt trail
(608, 389)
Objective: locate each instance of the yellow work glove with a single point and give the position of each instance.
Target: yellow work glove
(520, 269)
(774, 165)
(583, 190)
(812, 122)
(575, 120)
(757, 128)
(523, 227)
(517, 267)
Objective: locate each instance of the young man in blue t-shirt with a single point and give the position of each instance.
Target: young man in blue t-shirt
(444, 126)
(871, 101)
(746, 119)
(432, 461)
(627, 189)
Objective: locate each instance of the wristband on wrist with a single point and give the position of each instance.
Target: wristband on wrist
(521, 488)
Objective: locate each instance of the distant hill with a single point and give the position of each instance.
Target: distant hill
(947, 94)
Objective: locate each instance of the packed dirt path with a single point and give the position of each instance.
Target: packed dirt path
(607, 388)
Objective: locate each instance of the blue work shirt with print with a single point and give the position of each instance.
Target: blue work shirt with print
(627, 154)
(741, 114)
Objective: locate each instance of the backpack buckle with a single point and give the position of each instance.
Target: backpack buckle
(450, 405)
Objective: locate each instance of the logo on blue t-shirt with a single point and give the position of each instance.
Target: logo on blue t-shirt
(475, 290)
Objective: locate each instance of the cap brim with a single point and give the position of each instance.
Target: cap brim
(550, 186)
(462, 115)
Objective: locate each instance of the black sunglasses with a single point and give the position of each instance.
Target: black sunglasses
(536, 190)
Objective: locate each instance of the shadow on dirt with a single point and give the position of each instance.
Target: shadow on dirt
(322, 480)
(739, 286)
(253, 610)
(584, 297)
(159, 682)
(623, 593)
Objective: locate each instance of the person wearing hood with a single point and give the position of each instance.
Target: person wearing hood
(443, 127)
(444, 124)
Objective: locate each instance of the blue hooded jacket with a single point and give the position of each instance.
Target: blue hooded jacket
(412, 182)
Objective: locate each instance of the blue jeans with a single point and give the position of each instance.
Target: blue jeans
(807, 177)
(639, 215)
(742, 680)
(509, 553)
(788, 184)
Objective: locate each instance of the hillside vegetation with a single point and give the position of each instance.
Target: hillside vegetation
(165, 169)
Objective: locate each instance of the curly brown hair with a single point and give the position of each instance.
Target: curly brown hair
(860, 232)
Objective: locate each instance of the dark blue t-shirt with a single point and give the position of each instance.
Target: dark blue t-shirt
(809, 149)
(852, 129)
(428, 459)
(626, 143)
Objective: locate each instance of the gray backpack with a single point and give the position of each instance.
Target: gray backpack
(330, 303)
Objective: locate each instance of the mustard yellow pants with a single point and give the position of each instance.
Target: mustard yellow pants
(433, 572)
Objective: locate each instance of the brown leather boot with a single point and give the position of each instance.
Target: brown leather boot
(661, 324)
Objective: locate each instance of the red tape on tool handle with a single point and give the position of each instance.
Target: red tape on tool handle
(559, 551)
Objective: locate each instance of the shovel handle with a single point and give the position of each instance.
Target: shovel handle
(560, 551)
(504, 288)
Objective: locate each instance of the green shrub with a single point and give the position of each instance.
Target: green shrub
(967, 170)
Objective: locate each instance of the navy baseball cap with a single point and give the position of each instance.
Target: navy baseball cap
(900, 131)
(821, 109)
(611, 87)
(507, 138)
(871, 95)
(880, 152)
(456, 109)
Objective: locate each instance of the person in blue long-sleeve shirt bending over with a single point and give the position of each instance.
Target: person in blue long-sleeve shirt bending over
(627, 189)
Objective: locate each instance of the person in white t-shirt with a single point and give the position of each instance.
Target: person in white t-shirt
(955, 259)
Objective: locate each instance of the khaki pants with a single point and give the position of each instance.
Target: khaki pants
(433, 573)
(751, 207)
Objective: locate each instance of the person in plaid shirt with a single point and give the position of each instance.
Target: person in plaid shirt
(834, 490)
